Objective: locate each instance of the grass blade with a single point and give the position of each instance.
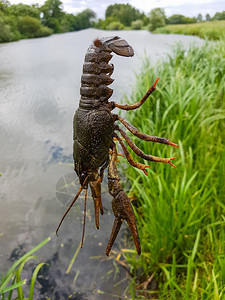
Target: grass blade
(73, 259)
(14, 286)
(35, 273)
(25, 257)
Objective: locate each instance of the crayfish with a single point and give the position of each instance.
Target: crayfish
(95, 129)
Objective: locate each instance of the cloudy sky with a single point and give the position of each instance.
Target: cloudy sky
(189, 8)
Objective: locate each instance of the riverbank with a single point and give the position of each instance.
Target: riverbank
(23, 27)
(213, 30)
(181, 211)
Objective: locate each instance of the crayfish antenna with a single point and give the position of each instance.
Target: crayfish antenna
(85, 202)
(74, 200)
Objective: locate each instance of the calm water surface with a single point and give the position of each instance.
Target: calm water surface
(39, 91)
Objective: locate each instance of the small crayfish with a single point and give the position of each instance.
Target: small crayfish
(95, 129)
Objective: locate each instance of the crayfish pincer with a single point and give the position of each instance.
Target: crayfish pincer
(95, 130)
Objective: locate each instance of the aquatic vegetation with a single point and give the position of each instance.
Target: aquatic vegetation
(181, 212)
(12, 280)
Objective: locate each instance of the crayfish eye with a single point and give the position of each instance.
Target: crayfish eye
(82, 177)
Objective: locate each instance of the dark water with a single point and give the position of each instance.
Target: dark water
(39, 91)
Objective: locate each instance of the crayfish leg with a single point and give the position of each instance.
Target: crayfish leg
(139, 103)
(144, 136)
(140, 153)
(102, 169)
(95, 186)
(129, 157)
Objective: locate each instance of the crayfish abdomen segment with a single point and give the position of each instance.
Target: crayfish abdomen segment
(96, 80)
(97, 71)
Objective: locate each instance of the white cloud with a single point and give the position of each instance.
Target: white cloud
(185, 7)
(28, 2)
(149, 5)
(70, 9)
(65, 2)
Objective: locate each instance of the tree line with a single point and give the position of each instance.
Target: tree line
(120, 16)
(20, 21)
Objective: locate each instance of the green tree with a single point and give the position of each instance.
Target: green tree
(180, 19)
(136, 25)
(67, 21)
(157, 18)
(31, 27)
(8, 28)
(52, 12)
(124, 13)
(104, 23)
(20, 9)
(144, 19)
(199, 18)
(207, 17)
(84, 20)
(116, 25)
(4, 4)
(219, 16)
(8, 32)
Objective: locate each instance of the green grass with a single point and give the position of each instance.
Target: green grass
(181, 211)
(12, 280)
(210, 30)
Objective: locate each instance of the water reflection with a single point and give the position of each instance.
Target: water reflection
(55, 153)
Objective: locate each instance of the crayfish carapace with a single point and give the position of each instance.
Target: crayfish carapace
(94, 131)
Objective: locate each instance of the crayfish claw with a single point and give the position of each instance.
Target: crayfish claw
(115, 230)
(154, 84)
(122, 210)
(171, 162)
(121, 205)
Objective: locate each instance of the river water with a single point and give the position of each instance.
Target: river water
(39, 91)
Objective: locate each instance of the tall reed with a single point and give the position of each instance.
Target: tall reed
(181, 212)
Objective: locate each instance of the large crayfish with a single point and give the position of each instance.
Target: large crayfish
(94, 131)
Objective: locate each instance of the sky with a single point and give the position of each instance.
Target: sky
(187, 8)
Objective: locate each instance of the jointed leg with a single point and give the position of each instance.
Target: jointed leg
(129, 157)
(144, 136)
(140, 153)
(95, 186)
(137, 104)
(104, 166)
(118, 154)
